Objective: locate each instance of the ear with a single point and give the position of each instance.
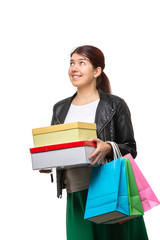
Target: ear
(98, 72)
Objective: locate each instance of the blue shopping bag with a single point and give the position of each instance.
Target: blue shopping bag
(107, 198)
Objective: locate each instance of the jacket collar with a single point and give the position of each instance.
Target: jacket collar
(104, 112)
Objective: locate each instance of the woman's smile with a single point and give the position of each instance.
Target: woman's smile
(76, 76)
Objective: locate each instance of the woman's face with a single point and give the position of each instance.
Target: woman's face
(81, 71)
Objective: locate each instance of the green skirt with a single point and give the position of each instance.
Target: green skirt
(80, 229)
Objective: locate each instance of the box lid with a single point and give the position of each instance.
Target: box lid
(62, 146)
(64, 126)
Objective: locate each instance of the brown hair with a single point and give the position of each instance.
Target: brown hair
(97, 59)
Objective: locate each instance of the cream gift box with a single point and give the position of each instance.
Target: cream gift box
(62, 155)
(63, 133)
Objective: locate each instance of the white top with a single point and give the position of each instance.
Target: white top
(77, 179)
(84, 113)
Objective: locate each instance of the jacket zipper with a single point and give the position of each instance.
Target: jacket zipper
(106, 124)
(58, 120)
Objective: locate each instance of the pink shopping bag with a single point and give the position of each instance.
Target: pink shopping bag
(147, 196)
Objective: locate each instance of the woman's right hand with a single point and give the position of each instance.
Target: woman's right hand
(45, 171)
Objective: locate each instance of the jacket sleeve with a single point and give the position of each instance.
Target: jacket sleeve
(59, 172)
(53, 116)
(124, 130)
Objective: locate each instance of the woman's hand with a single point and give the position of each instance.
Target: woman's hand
(48, 171)
(45, 171)
(101, 151)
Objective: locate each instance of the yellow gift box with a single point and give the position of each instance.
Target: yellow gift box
(63, 133)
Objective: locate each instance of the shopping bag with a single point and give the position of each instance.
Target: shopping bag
(135, 206)
(108, 193)
(147, 196)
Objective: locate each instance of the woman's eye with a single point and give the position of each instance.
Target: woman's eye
(82, 63)
(71, 63)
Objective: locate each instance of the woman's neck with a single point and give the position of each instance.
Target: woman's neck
(85, 96)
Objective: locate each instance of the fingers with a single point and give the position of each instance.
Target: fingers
(100, 151)
(97, 148)
(97, 159)
(45, 171)
(96, 151)
(94, 140)
(95, 156)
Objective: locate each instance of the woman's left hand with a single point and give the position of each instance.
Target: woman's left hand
(101, 151)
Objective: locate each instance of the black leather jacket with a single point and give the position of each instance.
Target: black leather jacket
(113, 122)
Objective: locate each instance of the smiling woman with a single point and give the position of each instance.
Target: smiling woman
(93, 102)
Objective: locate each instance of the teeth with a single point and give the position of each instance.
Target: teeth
(76, 76)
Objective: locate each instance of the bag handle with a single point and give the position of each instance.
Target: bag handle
(116, 150)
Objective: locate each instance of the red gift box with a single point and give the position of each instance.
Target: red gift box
(63, 155)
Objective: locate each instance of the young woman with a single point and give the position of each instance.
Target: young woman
(93, 102)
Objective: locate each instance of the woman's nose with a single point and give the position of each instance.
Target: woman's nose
(75, 68)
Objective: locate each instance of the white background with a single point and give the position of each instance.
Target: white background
(36, 40)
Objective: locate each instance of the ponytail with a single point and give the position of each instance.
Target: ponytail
(103, 83)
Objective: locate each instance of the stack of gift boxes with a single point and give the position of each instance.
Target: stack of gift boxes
(63, 145)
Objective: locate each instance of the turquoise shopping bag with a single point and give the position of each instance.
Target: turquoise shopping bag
(108, 193)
